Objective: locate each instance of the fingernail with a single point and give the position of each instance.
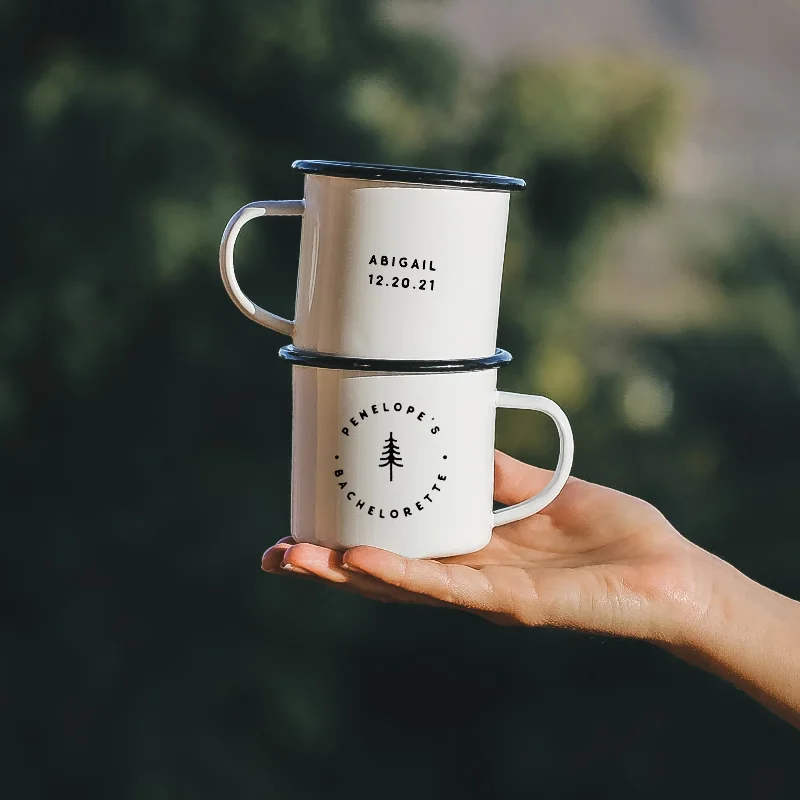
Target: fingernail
(350, 567)
(297, 570)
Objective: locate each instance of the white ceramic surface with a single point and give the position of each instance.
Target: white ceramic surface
(387, 270)
(404, 462)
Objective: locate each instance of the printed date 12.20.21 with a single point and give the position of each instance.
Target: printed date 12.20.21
(422, 284)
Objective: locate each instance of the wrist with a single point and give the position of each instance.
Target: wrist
(706, 606)
(747, 635)
(725, 614)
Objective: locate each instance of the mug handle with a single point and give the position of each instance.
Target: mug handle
(566, 452)
(262, 208)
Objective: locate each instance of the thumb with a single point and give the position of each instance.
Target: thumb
(515, 481)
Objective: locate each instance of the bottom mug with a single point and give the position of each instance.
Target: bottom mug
(405, 461)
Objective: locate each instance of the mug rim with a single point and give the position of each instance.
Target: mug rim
(399, 174)
(312, 358)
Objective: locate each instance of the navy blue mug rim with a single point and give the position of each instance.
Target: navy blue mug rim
(312, 358)
(421, 175)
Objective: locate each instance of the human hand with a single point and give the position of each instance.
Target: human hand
(594, 560)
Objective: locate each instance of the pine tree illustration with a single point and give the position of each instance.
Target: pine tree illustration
(390, 457)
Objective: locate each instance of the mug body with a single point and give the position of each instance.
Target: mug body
(404, 462)
(399, 271)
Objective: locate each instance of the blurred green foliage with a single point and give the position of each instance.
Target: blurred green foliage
(145, 437)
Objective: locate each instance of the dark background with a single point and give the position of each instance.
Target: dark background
(145, 424)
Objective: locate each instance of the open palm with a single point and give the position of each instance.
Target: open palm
(594, 560)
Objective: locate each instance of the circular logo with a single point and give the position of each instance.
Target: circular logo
(391, 460)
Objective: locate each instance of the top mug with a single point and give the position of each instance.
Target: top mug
(396, 263)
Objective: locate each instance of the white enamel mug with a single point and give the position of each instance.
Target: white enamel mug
(395, 262)
(404, 461)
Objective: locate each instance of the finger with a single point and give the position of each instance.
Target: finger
(515, 481)
(356, 583)
(320, 561)
(349, 587)
(326, 565)
(273, 557)
(451, 584)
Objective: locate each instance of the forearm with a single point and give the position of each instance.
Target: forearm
(750, 637)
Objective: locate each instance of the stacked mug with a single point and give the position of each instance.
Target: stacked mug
(394, 357)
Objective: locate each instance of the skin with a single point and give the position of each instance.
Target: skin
(598, 561)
